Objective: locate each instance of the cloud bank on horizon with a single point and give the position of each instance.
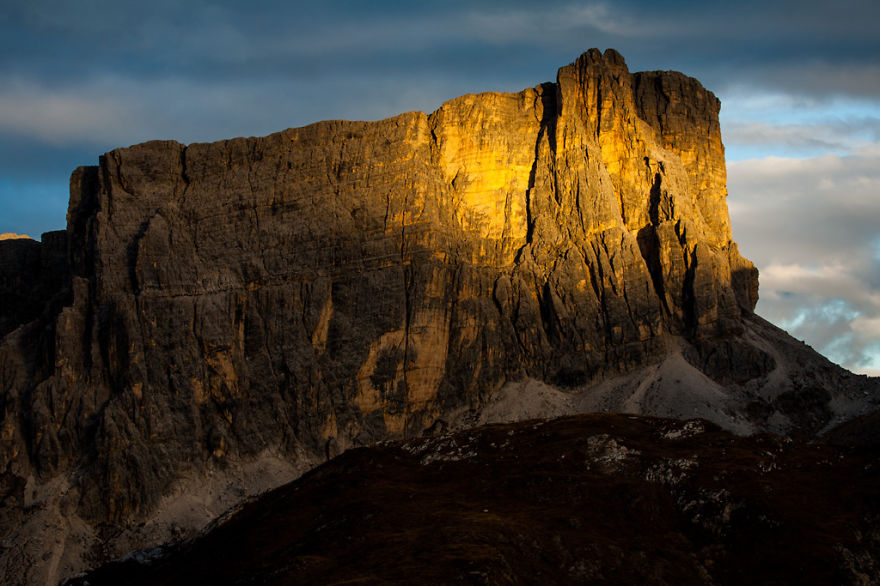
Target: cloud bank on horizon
(799, 83)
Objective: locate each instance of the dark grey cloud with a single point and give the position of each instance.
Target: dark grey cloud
(813, 80)
(234, 41)
(151, 66)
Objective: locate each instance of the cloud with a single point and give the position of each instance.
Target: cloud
(802, 83)
(221, 42)
(57, 116)
(840, 135)
(758, 122)
(812, 226)
(822, 209)
(838, 323)
(118, 111)
(543, 25)
(824, 78)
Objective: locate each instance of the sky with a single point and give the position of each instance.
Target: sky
(799, 84)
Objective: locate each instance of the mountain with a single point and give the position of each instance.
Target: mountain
(219, 318)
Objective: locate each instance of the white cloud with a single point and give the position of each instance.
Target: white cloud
(58, 116)
(811, 226)
(757, 123)
(119, 111)
(840, 135)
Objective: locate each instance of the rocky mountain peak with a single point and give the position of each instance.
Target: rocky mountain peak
(225, 315)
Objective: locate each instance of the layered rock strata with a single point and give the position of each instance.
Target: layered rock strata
(348, 282)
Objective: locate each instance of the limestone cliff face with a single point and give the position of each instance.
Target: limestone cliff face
(351, 281)
(348, 282)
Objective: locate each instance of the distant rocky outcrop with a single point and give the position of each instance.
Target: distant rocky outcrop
(34, 278)
(227, 315)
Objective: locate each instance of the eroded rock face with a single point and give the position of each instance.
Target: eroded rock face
(348, 282)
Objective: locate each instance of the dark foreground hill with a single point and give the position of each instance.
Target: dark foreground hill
(579, 500)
